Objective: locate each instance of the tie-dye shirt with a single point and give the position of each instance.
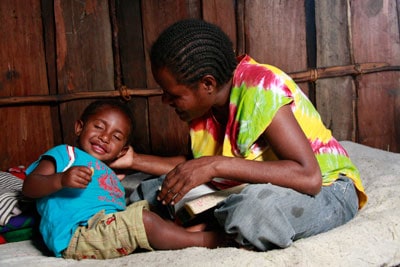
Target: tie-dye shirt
(258, 91)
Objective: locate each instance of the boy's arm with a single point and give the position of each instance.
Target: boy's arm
(44, 180)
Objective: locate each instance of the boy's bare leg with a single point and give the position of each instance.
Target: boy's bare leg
(166, 235)
(197, 227)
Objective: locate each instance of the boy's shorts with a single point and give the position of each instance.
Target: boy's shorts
(110, 236)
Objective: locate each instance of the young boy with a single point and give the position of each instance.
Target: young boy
(82, 202)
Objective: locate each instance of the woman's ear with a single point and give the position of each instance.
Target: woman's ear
(209, 83)
(78, 127)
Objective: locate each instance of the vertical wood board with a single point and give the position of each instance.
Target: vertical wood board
(49, 33)
(275, 34)
(168, 132)
(221, 13)
(133, 67)
(26, 129)
(376, 38)
(84, 54)
(335, 97)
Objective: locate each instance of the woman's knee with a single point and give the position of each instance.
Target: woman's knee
(253, 203)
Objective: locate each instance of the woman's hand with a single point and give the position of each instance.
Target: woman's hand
(126, 161)
(184, 177)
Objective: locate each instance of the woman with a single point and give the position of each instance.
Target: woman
(249, 123)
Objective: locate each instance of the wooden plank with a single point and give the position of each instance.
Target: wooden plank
(157, 16)
(27, 129)
(376, 38)
(133, 68)
(49, 33)
(124, 93)
(212, 10)
(84, 54)
(169, 135)
(241, 33)
(335, 97)
(275, 32)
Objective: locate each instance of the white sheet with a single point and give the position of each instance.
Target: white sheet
(372, 238)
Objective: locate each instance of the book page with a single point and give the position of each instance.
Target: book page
(193, 194)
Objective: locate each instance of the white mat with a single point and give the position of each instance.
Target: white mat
(372, 238)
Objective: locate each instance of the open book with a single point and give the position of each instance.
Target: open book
(199, 201)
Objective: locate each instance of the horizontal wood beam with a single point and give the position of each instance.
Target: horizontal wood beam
(41, 99)
(338, 71)
(126, 93)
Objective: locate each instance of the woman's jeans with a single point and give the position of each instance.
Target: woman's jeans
(265, 216)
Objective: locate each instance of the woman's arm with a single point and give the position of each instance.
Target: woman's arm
(297, 167)
(43, 180)
(150, 164)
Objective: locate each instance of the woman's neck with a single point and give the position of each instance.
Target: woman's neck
(220, 111)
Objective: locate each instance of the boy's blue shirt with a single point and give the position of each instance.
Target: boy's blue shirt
(63, 211)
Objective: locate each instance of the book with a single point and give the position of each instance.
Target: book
(189, 210)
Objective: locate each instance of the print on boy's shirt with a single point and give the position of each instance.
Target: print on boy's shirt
(107, 181)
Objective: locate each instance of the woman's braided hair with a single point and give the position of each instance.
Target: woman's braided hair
(193, 48)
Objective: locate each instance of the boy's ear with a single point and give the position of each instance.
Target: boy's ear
(78, 127)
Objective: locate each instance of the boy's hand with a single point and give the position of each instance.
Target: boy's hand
(77, 177)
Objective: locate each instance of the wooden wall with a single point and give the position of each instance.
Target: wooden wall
(75, 51)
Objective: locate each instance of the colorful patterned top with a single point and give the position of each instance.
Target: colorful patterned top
(258, 91)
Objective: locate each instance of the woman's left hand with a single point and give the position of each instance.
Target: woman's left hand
(185, 177)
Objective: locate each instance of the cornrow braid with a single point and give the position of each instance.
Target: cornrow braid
(193, 48)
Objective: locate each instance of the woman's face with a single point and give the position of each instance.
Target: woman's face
(188, 103)
(104, 135)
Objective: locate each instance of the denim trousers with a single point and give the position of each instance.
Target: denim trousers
(266, 216)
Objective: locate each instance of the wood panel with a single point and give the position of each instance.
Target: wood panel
(221, 13)
(276, 35)
(169, 135)
(84, 54)
(133, 67)
(376, 38)
(65, 47)
(47, 9)
(26, 130)
(335, 98)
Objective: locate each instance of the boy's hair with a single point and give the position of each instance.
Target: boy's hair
(193, 48)
(95, 106)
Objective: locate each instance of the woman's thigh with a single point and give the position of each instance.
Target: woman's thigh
(267, 216)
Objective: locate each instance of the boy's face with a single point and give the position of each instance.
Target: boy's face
(104, 135)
